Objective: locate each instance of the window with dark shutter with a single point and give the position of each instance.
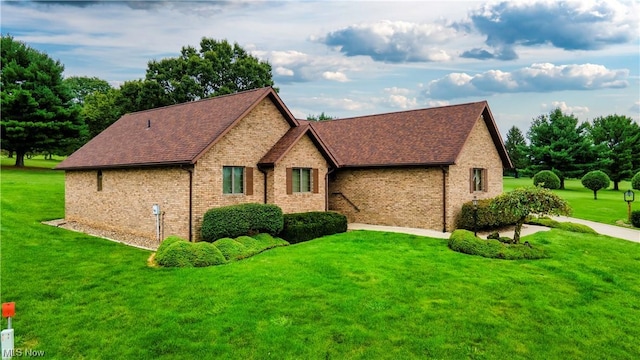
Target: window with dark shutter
(233, 179)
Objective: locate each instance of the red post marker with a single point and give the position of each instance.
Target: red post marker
(8, 309)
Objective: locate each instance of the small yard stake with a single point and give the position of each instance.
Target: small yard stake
(8, 311)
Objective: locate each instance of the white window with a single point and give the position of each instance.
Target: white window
(301, 180)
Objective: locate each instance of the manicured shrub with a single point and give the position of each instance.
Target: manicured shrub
(595, 180)
(568, 226)
(237, 220)
(178, 254)
(230, 249)
(488, 217)
(635, 181)
(547, 179)
(166, 243)
(205, 254)
(635, 218)
(299, 227)
(464, 241)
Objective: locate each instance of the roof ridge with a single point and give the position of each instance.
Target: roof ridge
(396, 112)
(199, 100)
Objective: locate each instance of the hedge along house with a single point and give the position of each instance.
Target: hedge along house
(413, 168)
(155, 173)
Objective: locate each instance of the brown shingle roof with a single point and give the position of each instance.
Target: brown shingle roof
(433, 136)
(177, 134)
(286, 143)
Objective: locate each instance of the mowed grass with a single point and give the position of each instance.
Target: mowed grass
(360, 295)
(610, 208)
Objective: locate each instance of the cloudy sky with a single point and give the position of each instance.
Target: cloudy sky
(349, 58)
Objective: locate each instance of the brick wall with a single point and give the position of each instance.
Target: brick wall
(244, 145)
(304, 154)
(478, 152)
(410, 197)
(126, 200)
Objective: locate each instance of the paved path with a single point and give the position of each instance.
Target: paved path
(610, 230)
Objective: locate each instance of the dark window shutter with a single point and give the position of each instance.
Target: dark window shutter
(471, 187)
(289, 181)
(248, 175)
(316, 187)
(485, 180)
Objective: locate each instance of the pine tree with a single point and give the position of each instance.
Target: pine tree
(517, 148)
(38, 114)
(558, 143)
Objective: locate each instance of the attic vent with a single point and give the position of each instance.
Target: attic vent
(148, 124)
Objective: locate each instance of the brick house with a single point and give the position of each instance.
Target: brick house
(412, 168)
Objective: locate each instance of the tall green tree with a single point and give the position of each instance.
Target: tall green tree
(217, 68)
(557, 142)
(83, 86)
(38, 114)
(619, 137)
(517, 149)
(101, 109)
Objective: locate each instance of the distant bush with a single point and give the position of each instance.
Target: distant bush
(635, 218)
(175, 252)
(244, 219)
(635, 181)
(299, 227)
(488, 217)
(464, 241)
(547, 179)
(567, 226)
(596, 180)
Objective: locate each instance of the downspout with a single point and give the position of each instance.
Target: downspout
(190, 171)
(326, 188)
(264, 173)
(444, 199)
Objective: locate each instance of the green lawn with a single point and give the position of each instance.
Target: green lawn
(610, 207)
(360, 295)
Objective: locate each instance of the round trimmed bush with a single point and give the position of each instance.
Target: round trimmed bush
(243, 219)
(205, 254)
(230, 249)
(178, 254)
(596, 180)
(547, 179)
(635, 181)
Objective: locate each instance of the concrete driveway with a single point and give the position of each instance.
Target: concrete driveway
(604, 229)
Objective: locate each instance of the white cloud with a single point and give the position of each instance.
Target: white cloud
(335, 76)
(393, 41)
(566, 109)
(543, 77)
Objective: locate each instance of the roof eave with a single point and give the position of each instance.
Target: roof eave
(127, 166)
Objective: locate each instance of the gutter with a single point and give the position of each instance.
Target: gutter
(190, 171)
(444, 198)
(264, 173)
(326, 188)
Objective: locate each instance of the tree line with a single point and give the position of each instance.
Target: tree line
(43, 112)
(560, 143)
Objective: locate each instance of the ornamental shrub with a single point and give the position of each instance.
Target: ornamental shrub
(176, 252)
(595, 180)
(635, 218)
(244, 219)
(465, 242)
(299, 227)
(488, 217)
(205, 254)
(547, 179)
(230, 249)
(635, 181)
